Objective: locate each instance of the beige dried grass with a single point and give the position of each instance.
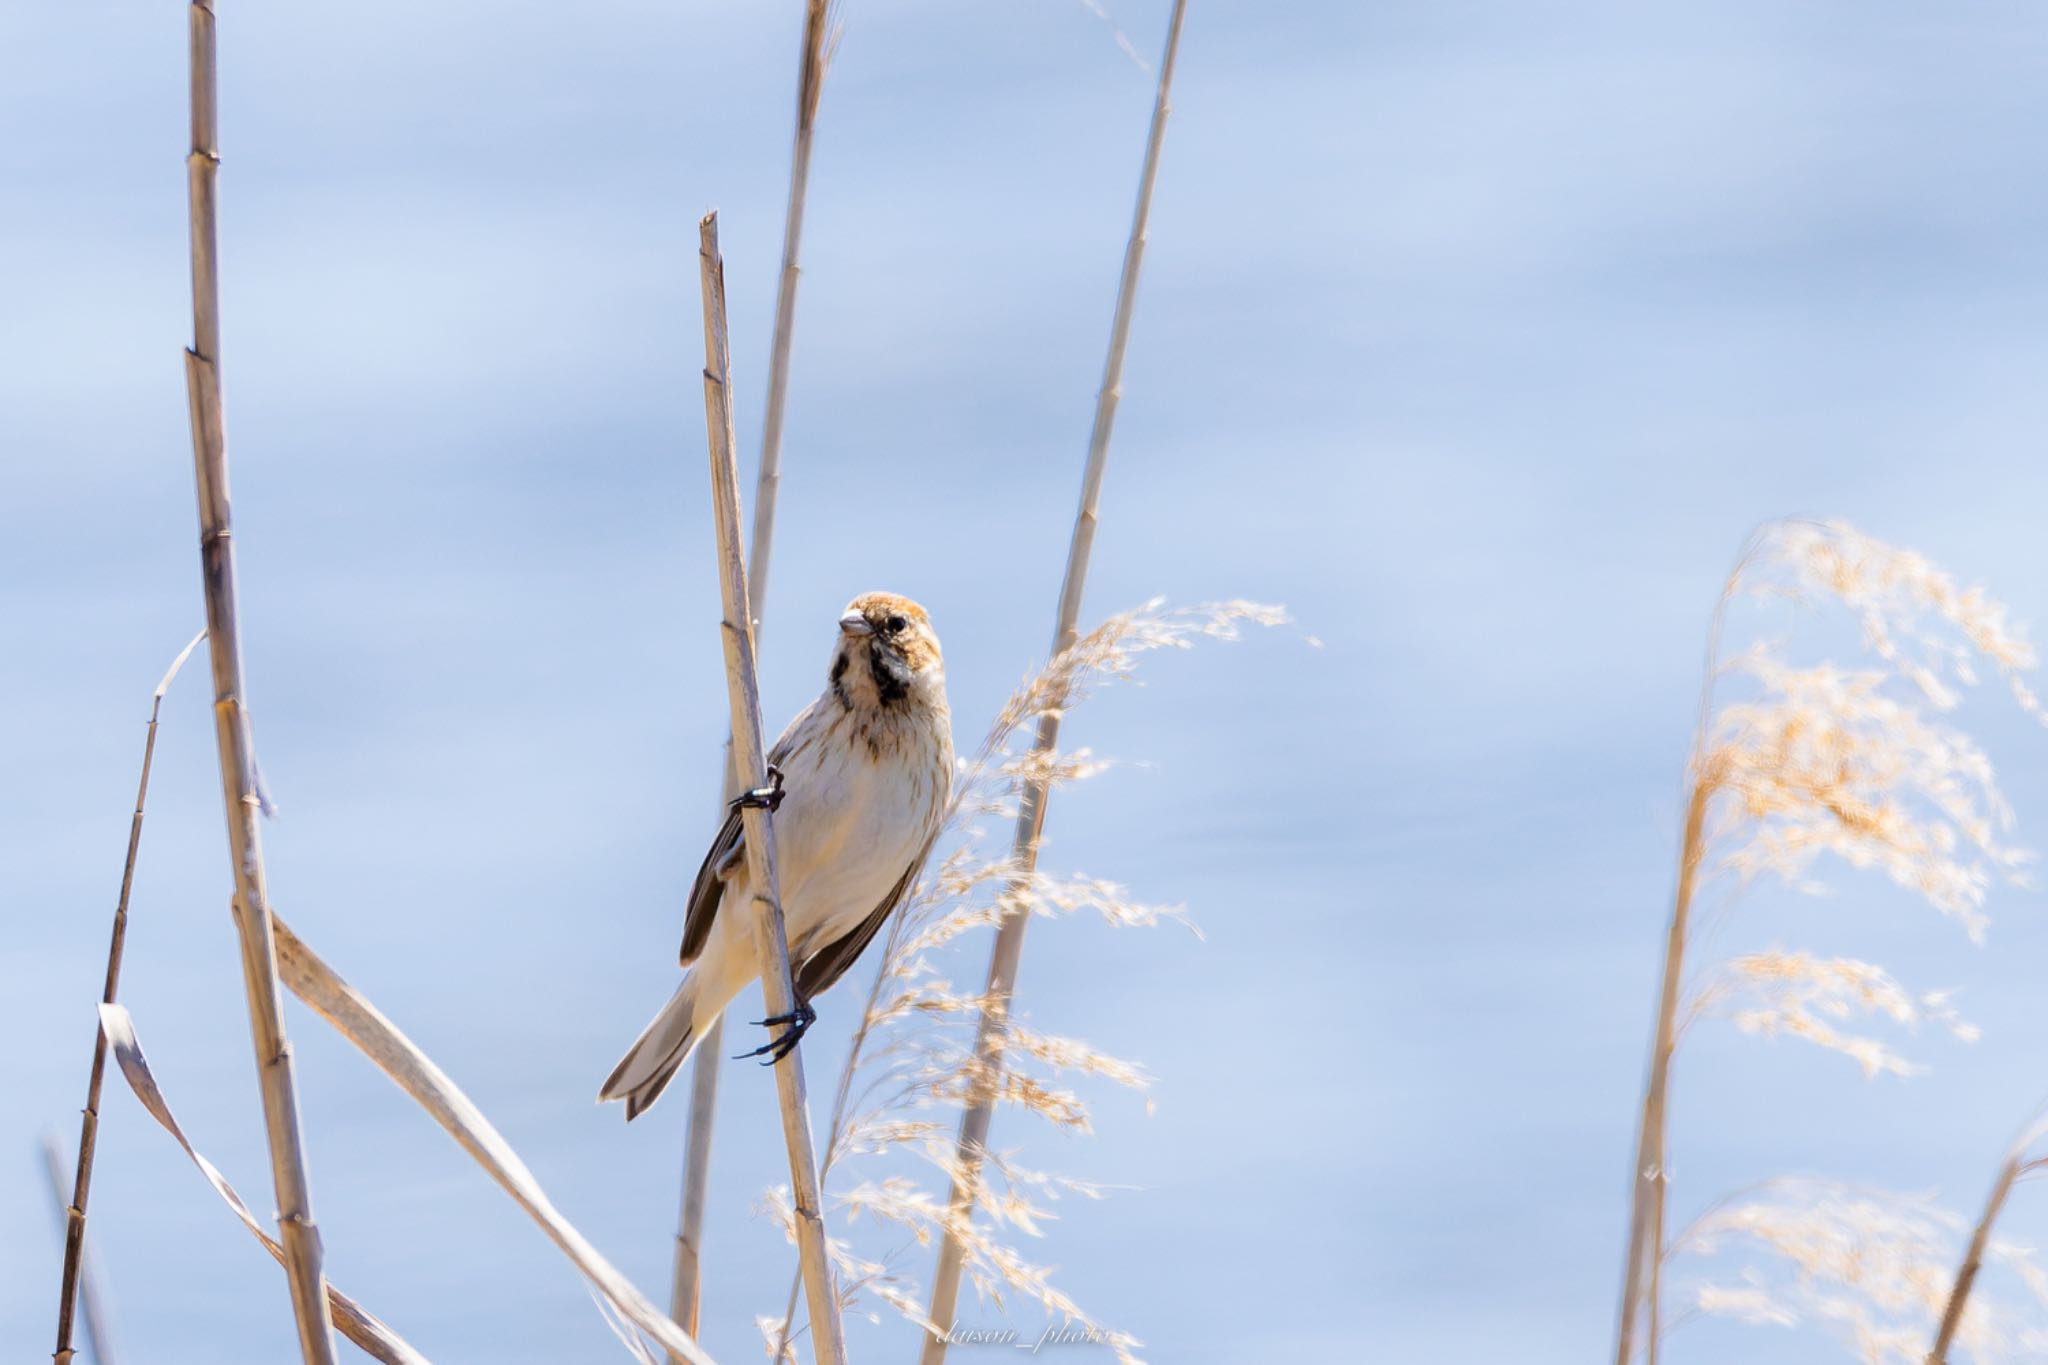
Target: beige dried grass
(1799, 995)
(916, 1053)
(1818, 760)
(1873, 1267)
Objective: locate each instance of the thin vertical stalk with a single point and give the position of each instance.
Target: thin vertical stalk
(810, 84)
(1009, 945)
(251, 903)
(750, 764)
(687, 1293)
(89, 1127)
(92, 1299)
(1643, 1264)
(1646, 1216)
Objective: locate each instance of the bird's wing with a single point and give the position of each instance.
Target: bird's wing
(728, 850)
(817, 973)
(705, 893)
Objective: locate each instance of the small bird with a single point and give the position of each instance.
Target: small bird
(865, 774)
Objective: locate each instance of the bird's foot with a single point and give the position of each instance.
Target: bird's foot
(798, 1020)
(762, 798)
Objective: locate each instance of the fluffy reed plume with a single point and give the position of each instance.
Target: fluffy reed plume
(1824, 761)
(89, 1127)
(240, 784)
(1871, 1266)
(1798, 995)
(971, 1146)
(820, 35)
(1806, 761)
(914, 1054)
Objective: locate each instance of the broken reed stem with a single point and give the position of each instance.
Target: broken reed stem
(1973, 1261)
(89, 1127)
(750, 767)
(687, 1293)
(81, 1271)
(1009, 945)
(239, 783)
(2014, 1166)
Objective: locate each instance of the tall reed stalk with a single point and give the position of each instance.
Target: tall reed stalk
(750, 765)
(1009, 946)
(89, 1127)
(687, 1293)
(239, 782)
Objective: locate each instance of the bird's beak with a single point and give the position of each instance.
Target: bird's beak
(853, 623)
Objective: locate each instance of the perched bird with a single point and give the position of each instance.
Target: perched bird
(866, 771)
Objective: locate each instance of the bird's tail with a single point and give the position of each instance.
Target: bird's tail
(661, 1049)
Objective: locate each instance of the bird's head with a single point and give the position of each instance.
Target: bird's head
(887, 654)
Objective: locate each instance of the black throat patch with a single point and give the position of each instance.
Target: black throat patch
(891, 684)
(839, 681)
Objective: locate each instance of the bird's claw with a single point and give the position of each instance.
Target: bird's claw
(798, 1020)
(766, 798)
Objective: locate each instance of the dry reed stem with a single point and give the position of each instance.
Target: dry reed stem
(687, 1293)
(88, 1135)
(750, 764)
(1009, 945)
(357, 1324)
(91, 1295)
(239, 781)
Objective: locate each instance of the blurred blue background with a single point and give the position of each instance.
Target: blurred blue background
(1479, 334)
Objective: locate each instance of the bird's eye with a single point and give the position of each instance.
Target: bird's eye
(895, 625)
